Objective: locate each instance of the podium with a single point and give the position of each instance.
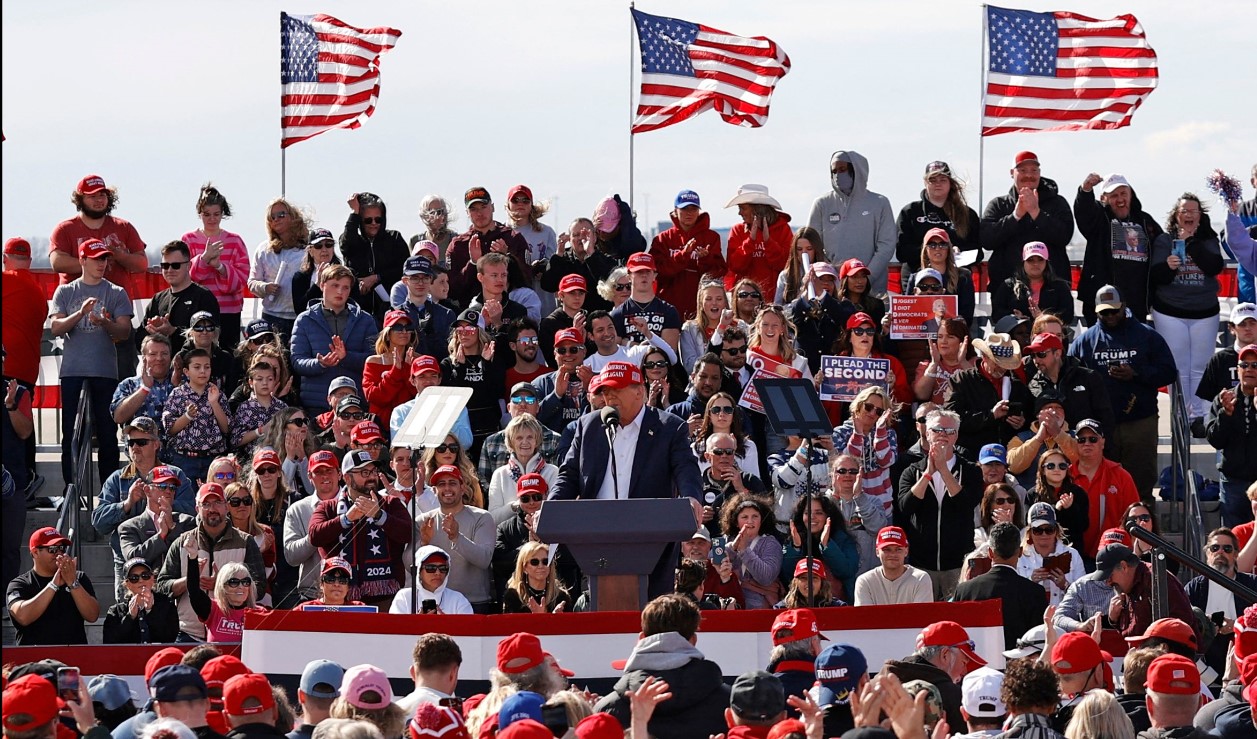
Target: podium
(617, 543)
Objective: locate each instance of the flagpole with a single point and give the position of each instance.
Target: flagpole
(283, 173)
(982, 55)
(630, 108)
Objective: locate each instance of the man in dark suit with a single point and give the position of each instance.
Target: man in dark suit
(1023, 601)
(1221, 551)
(653, 458)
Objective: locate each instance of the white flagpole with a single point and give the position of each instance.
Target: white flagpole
(982, 59)
(631, 32)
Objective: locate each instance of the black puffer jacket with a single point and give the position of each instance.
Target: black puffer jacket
(918, 217)
(1084, 392)
(973, 396)
(699, 694)
(1003, 234)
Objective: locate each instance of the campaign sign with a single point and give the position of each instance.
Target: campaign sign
(765, 368)
(842, 378)
(919, 316)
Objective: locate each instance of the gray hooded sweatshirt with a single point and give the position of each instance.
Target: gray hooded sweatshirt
(859, 225)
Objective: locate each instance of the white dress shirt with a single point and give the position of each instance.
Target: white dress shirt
(624, 447)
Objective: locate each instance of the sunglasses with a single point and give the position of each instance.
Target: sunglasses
(945, 431)
(235, 502)
(1056, 465)
(863, 331)
(526, 340)
(336, 579)
(166, 487)
(734, 350)
(139, 442)
(372, 221)
(433, 212)
(657, 364)
(563, 351)
(929, 287)
(55, 549)
(937, 245)
(744, 295)
(236, 582)
(353, 416)
(322, 245)
(399, 328)
(1246, 365)
(1005, 501)
(262, 339)
(1043, 354)
(135, 579)
(721, 409)
(1215, 548)
(204, 329)
(224, 475)
(874, 409)
(1088, 440)
(279, 216)
(299, 421)
(520, 399)
(1141, 518)
(847, 470)
(723, 452)
(622, 286)
(1043, 530)
(531, 498)
(433, 569)
(447, 448)
(543, 562)
(173, 265)
(266, 470)
(1107, 312)
(921, 419)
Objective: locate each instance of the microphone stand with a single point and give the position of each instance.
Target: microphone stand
(807, 491)
(414, 528)
(615, 470)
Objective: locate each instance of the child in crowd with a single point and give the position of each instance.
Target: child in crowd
(196, 420)
(249, 422)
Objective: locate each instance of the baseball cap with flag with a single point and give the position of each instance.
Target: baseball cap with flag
(1173, 674)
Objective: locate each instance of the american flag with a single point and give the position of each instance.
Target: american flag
(329, 72)
(1064, 71)
(688, 68)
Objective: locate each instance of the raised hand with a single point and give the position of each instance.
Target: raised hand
(474, 249)
(426, 530)
(191, 549)
(1091, 181)
(498, 246)
(449, 525)
(825, 533)
(644, 701)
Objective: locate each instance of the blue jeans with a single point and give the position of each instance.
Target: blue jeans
(1236, 508)
(1245, 289)
(102, 424)
(196, 468)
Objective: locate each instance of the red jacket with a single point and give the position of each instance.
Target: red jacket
(679, 273)
(761, 260)
(386, 386)
(1112, 486)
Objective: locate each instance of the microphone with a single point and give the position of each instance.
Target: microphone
(610, 418)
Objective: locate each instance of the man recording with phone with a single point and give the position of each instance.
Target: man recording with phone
(1221, 551)
(367, 528)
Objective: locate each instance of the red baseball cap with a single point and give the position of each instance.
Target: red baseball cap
(424, 364)
(572, 282)
(394, 317)
(1044, 342)
(519, 652)
(531, 483)
(563, 670)
(322, 458)
(891, 536)
(161, 658)
(808, 563)
(29, 702)
(640, 261)
(795, 624)
(1025, 156)
(859, 319)
(208, 490)
(1114, 536)
(1246, 350)
(599, 726)
(525, 728)
(265, 455)
(573, 335)
(949, 634)
(620, 375)
(785, 728)
(93, 248)
(936, 233)
(444, 471)
(1170, 629)
(47, 537)
(242, 688)
(336, 563)
(365, 431)
(90, 185)
(221, 669)
(161, 473)
(1076, 652)
(519, 190)
(595, 385)
(1173, 674)
(17, 246)
(851, 266)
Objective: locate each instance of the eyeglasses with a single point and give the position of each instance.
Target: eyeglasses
(734, 350)
(531, 498)
(433, 569)
(875, 410)
(336, 579)
(742, 294)
(543, 562)
(353, 416)
(372, 221)
(399, 328)
(1043, 530)
(863, 331)
(847, 470)
(372, 445)
(299, 421)
(1246, 365)
(139, 442)
(526, 340)
(1141, 518)
(1088, 440)
(623, 286)
(1043, 354)
(236, 582)
(721, 409)
(929, 287)
(657, 364)
(266, 470)
(447, 448)
(521, 399)
(166, 487)
(224, 475)
(937, 245)
(563, 351)
(205, 329)
(944, 430)
(722, 452)
(1005, 501)
(172, 265)
(1055, 465)
(55, 549)
(235, 502)
(134, 579)
(1215, 548)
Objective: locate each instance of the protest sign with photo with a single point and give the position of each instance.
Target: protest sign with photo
(764, 367)
(842, 378)
(919, 316)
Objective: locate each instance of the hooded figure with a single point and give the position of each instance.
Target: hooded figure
(370, 249)
(855, 222)
(1119, 246)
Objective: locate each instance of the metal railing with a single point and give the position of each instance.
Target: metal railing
(1161, 549)
(76, 509)
(1186, 512)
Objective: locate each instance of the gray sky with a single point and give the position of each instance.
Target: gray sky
(161, 97)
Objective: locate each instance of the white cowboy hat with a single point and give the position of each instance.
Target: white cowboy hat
(1000, 349)
(755, 195)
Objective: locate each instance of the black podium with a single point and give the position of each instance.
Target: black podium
(617, 542)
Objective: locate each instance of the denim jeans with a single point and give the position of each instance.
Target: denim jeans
(196, 468)
(1236, 509)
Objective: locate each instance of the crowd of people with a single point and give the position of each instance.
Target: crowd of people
(263, 469)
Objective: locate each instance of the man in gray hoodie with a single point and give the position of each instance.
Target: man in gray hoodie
(666, 650)
(854, 221)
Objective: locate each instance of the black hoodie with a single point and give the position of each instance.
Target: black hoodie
(385, 255)
(1003, 234)
(1127, 270)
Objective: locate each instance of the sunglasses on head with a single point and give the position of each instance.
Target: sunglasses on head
(742, 294)
(721, 409)
(236, 502)
(563, 351)
(372, 221)
(656, 364)
(1041, 530)
(1215, 548)
(723, 452)
(172, 265)
(299, 421)
(734, 350)
(447, 448)
(142, 577)
(861, 331)
(433, 569)
(531, 498)
(1055, 466)
(236, 582)
(139, 442)
(331, 579)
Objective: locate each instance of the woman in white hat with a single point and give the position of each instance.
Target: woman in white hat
(760, 245)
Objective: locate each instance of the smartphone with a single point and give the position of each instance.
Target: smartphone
(1115, 363)
(1217, 618)
(1016, 408)
(68, 681)
(1180, 249)
(719, 550)
(428, 606)
(555, 719)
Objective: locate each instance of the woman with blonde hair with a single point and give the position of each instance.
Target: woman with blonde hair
(386, 374)
(942, 204)
(869, 435)
(696, 334)
(1099, 714)
(276, 260)
(289, 434)
(535, 588)
(937, 254)
(523, 441)
(723, 416)
(242, 512)
(365, 695)
(452, 452)
(233, 596)
(616, 287)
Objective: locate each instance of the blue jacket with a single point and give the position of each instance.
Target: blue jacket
(433, 329)
(312, 336)
(557, 411)
(109, 515)
(1146, 352)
